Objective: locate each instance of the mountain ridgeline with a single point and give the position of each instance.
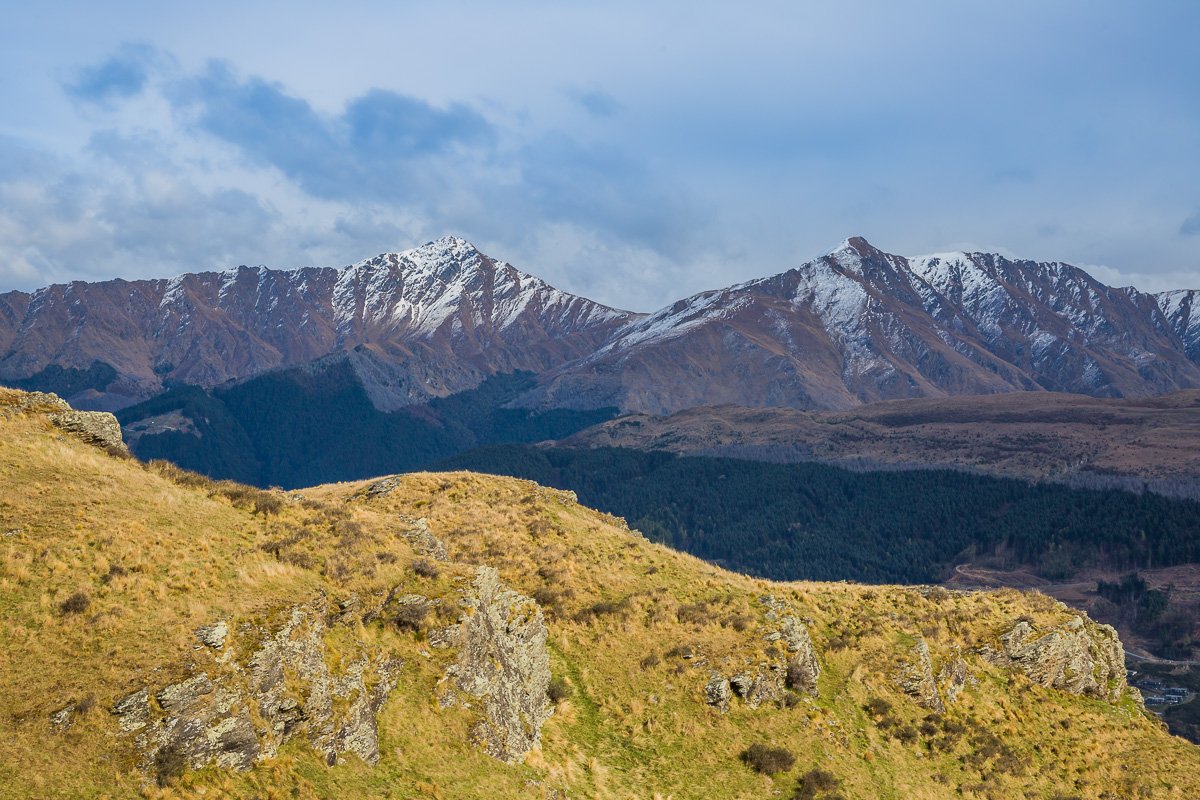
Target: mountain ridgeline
(855, 326)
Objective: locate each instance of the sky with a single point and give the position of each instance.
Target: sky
(631, 152)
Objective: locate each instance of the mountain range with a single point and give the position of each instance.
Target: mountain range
(855, 326)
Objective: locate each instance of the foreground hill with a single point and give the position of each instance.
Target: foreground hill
(1036, 435)
(458, 635)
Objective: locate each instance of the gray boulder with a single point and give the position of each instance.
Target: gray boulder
(503, 661)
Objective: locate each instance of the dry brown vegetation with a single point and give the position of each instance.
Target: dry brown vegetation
(634, 631)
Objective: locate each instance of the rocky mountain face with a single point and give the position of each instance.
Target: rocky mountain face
(860, 325)
(423, 323)
(855, 326)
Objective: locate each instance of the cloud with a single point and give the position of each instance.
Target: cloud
(596, 102)
(1191, 225)
(374, 149)
(120, 76)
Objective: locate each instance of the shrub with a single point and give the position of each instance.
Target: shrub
(559, 690)
(814, 782)
(603, 608)
(426, 569)
(114, 571)
(877, 707)
(169, 764)
(75, 604)
(769, 760)
(411, 616)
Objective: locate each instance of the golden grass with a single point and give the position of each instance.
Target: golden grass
(158, 554)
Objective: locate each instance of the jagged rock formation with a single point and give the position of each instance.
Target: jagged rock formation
(248, 707)
(953, 678)
(1078, 657)
(718, 692)
(803, 668)
(503, 661)
(917, 681)
(94, 427)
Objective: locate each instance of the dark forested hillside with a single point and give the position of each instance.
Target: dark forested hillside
(793, 521)
(304, 426)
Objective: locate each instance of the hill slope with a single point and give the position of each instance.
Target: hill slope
(166, 636)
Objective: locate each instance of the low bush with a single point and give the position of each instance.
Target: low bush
(559, 690)
(75, 604)
(769, 760)
(425, 568)
(411, 616)
(816, 782)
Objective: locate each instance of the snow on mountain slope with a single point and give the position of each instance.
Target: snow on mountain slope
(444, 312)
(860, 325)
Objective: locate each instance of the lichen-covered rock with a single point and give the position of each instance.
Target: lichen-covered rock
(718, 692)
(803, 667)
(917, 681)
(953, 678)
(383, 487)
(39, 401)
(94, 427)
(503, 660)
(294, 687)
(422, 539)
(213, 635)
(133, 710)
(61, 720)
(239, 715)
(1079, 657)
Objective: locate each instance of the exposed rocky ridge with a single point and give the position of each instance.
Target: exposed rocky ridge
(918, 682)
(503, 661)
(1080, 657)
(248, 704)
(421, 323)
(860, 325)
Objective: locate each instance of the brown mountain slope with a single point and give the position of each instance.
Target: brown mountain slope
(1026, 434)
(423, 323)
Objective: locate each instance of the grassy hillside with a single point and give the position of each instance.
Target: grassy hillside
(107, 566)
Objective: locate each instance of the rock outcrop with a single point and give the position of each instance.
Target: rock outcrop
(94, 427)
(718, 692)
(803, 668)
(917, 681)
(503, 661)
(422, 539)
(1079, 657)
(248, 707)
